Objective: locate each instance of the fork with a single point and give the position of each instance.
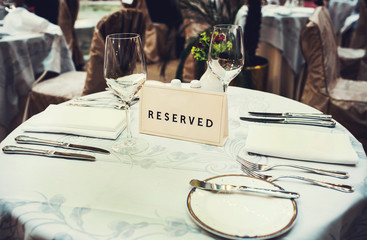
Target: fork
(339, 187)
(265, 167)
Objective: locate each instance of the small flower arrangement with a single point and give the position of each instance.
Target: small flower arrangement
(201, 48)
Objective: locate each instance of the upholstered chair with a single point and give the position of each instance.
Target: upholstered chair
(359, 38)
(123, 21)
(159, 44)
(63, 87)
(159, 38)
(324, 89)
(68, 13)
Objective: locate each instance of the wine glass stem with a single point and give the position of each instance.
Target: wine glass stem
(225, 86)
(128, 125)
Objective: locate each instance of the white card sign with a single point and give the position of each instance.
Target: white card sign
(186, 114)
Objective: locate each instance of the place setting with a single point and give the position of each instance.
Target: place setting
(95, 116)
(286, 146)
(242, 207)
(276, 146)
(251, 205)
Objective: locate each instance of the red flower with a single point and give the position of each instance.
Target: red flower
(31, 9)
(199, 45)
(220, 38)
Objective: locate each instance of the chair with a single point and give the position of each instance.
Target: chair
(125, 20)
(68, 13)
(359, 38)
(159, 43)
(324, 89)
(159, 39)
(353, 57)
(57, 89)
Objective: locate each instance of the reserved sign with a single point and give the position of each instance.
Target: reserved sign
(186, 114)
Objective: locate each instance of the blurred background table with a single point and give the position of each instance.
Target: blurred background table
(90, 12)
(279, 44)
(339, 11)
(22, 59)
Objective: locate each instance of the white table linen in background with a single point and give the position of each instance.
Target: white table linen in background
(20, 21)
(30, 46)
(3, 12)
(279, 43)
(281, 30)
(22, 57)
(144, 196)
(339, 11)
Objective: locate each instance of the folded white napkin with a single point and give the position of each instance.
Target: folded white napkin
(84, 121)
(21, 21)
(301, 144)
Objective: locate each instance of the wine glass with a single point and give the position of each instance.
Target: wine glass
(9, 4)
(125, 72)
(226, 52)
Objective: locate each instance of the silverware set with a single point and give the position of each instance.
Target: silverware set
(253, 169)
(242, 189)
(22, 139)
(265, 167)
(314, 119)
(51, 153)
(48, 153)
(318, 116)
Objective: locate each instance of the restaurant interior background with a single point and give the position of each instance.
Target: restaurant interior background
(287, 71)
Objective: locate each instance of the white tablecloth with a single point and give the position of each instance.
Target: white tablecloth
(339, 11)
(144, 196)
(22, 57)
(279, 43)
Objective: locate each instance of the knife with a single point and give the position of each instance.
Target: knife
(33, 140)
(319, 116)
(313, 122)
(48, 153)
(242, 189)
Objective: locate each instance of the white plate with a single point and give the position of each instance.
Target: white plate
(241, 216)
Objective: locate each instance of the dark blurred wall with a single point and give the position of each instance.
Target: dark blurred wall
(48, 9)
(169, 13)
(165, 11)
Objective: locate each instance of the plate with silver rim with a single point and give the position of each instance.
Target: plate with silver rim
(241, 215)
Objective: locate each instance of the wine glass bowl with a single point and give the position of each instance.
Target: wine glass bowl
(126, 87)
(226, 52)
(125, 73)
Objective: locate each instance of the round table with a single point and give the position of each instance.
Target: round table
(143, 196)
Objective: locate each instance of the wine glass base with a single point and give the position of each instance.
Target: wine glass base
(130, 146)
